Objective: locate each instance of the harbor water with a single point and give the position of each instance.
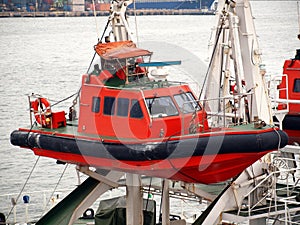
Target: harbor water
(47, 56)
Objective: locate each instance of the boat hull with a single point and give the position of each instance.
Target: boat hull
(204, 158)
(291, 125)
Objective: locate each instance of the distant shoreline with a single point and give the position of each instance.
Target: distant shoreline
(106, 13)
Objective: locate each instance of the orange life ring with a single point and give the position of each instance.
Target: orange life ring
(40, 115)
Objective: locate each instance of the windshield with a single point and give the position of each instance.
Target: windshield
(186, 102)
(161, 106)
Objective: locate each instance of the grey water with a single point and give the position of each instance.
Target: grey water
(48, 56)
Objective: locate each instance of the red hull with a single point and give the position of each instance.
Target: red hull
(205, 169)
(294, 136)
(204, 158)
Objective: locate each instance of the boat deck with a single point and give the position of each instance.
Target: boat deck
(71, 130)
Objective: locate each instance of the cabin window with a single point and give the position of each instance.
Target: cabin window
(96, 105)
(297, 85)
(122, 106)
(161, 107)
(135, 110)
(187, 102)
(109, 106)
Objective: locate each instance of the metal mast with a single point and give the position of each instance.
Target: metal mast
(120, 27)
(236, 57)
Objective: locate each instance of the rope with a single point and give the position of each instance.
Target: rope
(99, 41)
(34, 124)
(279, 137)
(211, 59)
(55, 188)
(17, 199)
(76, 93)
(210, 62)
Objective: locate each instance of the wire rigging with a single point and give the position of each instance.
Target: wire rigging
(60, 101)
(29, 176)
(55, 188)
(211, 59)
(99, 41)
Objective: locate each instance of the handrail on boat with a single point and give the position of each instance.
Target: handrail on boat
(235, 103)
(272, 189)
(35, 96)
(274, 97)
(222, 114)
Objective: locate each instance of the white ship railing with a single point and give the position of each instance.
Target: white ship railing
(279, 192)
(40, 202)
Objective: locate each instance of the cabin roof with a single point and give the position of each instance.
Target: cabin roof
(120, 50)
(154, 85)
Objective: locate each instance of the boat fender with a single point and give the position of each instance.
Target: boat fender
(88, 214)
(41, 117)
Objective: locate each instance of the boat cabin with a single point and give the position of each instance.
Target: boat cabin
(289, 88)
(119, 100)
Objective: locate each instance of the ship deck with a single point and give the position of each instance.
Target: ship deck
(70, 130)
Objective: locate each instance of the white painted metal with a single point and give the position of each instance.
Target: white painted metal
(192, 188)
(120, 27)
(237, 57)
(280, 187)
(101, 188)
(97, 176)
(134, 200)
(233, 197)
(165, 202)
(254, 76)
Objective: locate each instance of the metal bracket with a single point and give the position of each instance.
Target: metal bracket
(97, 176)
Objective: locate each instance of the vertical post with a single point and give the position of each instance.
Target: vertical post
(165, 203)
(26, 202)
(14, 205)
(134, 200)
(26, 212)
(30, 112)
(44, 201)
(15, 214)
